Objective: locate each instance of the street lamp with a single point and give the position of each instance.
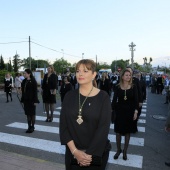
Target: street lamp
(131, 46)
(82, 55)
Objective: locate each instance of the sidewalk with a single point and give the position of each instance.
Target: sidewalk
(13, 161)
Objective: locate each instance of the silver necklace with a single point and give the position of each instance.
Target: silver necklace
(79, 119)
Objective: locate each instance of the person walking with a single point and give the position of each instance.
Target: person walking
(125, 106)
(18, 82)
(8, 86)
(29, 98)
(85, 122)
(49, 86)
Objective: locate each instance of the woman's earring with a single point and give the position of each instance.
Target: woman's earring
(92, 79)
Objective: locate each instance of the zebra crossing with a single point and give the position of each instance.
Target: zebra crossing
(134, 161)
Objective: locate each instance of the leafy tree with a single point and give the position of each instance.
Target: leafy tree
(2, 64)
(61, 65)
(147, 65)
(119, 64)
(102, 66)
(34, 63)
(10, 66)
(17, 62)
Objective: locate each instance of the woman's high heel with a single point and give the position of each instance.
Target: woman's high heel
(116, 156)
(124, 155)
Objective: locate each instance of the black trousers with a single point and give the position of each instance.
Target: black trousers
(69, 166)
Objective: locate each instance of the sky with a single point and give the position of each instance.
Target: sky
(68, 28)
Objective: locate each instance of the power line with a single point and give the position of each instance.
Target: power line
(55, 50)
(14, 42)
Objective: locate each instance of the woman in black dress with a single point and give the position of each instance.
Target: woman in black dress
(85, 121)
(125, 104)
(49, 86)
(8, 86)
(65, 87)
(105, 83)
(29, 98)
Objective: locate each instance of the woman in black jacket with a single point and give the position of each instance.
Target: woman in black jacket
(49, 86)
(29, 99)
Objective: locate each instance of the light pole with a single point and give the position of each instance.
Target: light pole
(82, 55)
(131, 46)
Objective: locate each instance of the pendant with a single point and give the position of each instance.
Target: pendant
(79, 120)
(125, 97)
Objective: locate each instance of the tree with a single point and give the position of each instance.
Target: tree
(10, 66)
(2, 64)
(119, 64)
(17, 62)
(102, 66)
(61, 65)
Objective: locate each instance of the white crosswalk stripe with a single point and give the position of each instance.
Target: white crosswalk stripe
(135, 161)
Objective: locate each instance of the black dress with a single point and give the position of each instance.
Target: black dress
(8, 85)
(125, 109)
(29, 96)
(65, 87)
(92, 134)
(49, 83)
(105, 85)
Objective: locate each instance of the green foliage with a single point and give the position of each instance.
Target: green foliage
(2, 64)
(61, 65)
(102, 66)
(34, 63)
(119, 64)
(3, 73)
(17, 62)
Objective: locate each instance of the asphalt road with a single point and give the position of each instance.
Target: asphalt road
(148, 150)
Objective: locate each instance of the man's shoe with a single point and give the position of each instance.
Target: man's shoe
(167, 164)
(166, 103)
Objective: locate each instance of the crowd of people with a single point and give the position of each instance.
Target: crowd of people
(87, 109)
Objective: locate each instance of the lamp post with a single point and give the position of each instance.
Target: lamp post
(82, 55)
(131, 46)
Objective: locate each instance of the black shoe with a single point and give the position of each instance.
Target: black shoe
(7, 101)
(28, 130)
(124, 155)
(50, 120)
(46, 120)
(166, 103)
(11, 99)
(167, 164)
(116, 156)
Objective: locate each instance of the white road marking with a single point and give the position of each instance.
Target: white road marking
(143, 115)
(58, 108)
(56, 120)
(144, 110)
(141, 121)
(55, 147)
(49, 129)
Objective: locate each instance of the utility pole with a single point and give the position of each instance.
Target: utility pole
(30, 51)
(82, 55)
(131, 46)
